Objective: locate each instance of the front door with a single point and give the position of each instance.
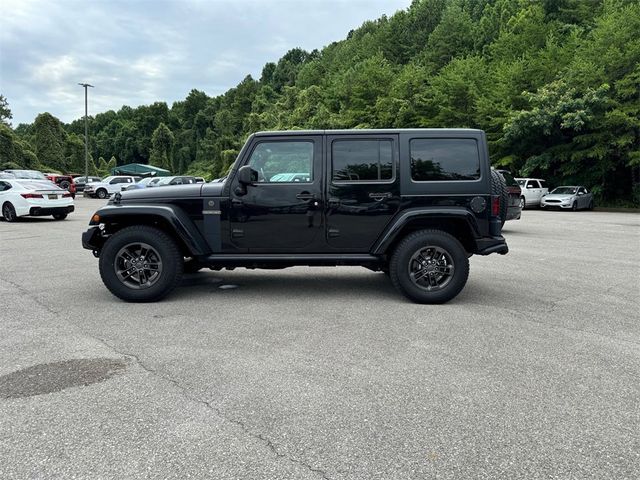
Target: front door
(363, 189)
(281, 211)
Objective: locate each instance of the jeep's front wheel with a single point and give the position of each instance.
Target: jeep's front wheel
(141, 264)
(429, 266)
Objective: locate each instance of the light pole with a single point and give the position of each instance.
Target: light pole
(86, 133)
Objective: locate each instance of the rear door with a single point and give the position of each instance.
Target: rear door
(363, 188)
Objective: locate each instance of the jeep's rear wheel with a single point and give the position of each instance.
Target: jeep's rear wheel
(140, 264)
(429, 266)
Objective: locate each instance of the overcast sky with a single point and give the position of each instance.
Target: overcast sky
(140, 51)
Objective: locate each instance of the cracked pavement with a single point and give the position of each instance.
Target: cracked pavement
(531, 372)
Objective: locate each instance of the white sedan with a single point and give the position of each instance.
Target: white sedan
(24, 197)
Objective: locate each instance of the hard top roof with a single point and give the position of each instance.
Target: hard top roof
(365, 131)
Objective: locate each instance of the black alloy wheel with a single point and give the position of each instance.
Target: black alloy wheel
(138, 265)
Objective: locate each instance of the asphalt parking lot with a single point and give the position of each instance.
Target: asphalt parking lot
(531, 372)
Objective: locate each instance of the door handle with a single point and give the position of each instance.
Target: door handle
(305, 196)
(379, 196)
(333, 202)
(236, 203)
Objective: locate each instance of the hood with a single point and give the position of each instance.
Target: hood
(558, 196)
(171, 191)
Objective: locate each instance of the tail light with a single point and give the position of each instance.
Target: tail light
(495, 206)
(66, 195)
(31, 195)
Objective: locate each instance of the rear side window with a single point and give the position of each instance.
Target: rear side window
(442, 159)
(362, 160)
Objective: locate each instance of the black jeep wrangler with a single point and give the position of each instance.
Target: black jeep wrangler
(415, 204)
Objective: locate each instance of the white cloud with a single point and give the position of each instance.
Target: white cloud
(148, 50)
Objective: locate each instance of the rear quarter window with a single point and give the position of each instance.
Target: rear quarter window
(444, 159)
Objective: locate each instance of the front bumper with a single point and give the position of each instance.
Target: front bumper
(92, 239)
(544, 204)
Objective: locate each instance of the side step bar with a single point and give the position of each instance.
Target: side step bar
(309, 259)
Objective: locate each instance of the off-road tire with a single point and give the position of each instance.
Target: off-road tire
(401, 259)
(499, 188)
(9, 212)
(171, 257)
(102, 193)
(59, 216)
(65, 184)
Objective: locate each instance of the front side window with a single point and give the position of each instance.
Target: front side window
(533, 184)
(362, 160)
(441, 159)
(283, 162)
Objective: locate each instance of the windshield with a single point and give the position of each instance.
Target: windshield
(564, 191)
(28, 174)
(165, 180)
(107, 180)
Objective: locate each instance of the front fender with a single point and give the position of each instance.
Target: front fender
(170, 215)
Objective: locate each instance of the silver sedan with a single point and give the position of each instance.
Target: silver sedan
(568, 197)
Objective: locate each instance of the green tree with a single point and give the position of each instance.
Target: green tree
(49, 138)
(5, 111)
(162, 145)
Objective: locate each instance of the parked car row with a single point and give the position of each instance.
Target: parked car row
(535, 193)
(118, 183)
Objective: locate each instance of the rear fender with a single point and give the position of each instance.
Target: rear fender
(438, 218)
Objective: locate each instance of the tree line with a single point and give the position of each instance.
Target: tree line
(554, 83)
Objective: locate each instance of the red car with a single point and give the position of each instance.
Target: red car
(63, 181)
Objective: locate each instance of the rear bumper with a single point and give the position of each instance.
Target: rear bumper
(489, 245)
(43, 211)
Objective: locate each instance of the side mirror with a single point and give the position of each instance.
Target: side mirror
(580, 193)
(247, 175)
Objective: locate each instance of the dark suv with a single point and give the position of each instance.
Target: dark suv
(415, 204)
